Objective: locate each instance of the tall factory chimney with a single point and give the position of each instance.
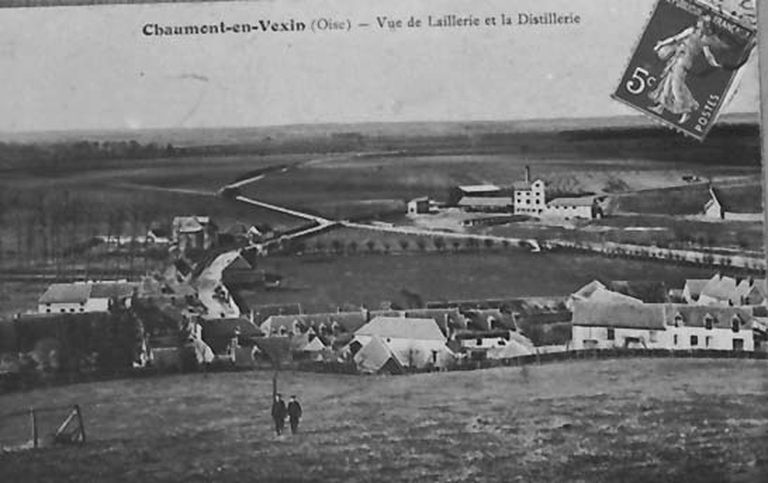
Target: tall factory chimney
(527, 174)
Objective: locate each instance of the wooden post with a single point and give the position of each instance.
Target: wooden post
(80, 423)
(33, 422)
(762, 51)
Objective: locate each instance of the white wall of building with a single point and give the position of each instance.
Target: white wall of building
(568, 211)
(91, 305)
(588, 337)
(673, 338)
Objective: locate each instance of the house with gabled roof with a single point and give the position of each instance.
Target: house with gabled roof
(598, 325)
(602, 325)
(734, 203)
(376, 357)
(725, 291)
(417, 343)
(80, 297)
(709, 327)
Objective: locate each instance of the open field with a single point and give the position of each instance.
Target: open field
(323, 282)
(661, 420)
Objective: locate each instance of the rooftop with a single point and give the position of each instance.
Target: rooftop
(403, 328)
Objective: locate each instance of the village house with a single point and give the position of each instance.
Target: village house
(725, 291)
(79, 297)
(599, 325)
(585, 207)
(734, 205)
(530, 196)
(194, 233)
(415, 343)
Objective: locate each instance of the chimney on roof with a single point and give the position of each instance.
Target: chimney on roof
(527, 174)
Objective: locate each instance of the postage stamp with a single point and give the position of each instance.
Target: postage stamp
(684, 65)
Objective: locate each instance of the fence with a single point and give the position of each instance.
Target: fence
(40, 427)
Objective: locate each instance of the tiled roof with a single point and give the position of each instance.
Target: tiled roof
(59, 293)
(695, 315)
(346, 321)
(626, 315)
(581, 201)
(479, 188)
(112, 290)
(403, 328)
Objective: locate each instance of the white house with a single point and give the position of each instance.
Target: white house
(661, 326)
(585, 207)
(530, 197)
(80, 297)
(599, 325)
(416, 343)
(724, 291)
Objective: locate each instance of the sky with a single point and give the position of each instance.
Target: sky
(91, 68)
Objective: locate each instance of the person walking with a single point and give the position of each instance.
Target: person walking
(294, 414)
(279, 412)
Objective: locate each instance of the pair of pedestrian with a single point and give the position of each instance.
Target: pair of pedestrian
(280, 411)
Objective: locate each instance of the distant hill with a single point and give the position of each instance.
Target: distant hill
(190, 137)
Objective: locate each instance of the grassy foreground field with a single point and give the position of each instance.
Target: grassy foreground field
(616, 420)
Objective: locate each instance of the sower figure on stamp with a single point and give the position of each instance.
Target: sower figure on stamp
(279, 412)
(679, 52)
(294, 414)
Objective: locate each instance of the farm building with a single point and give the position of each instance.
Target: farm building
(725, 291)
(734, 205)
(492, 344)
(377, 358)
(194, 233)
(661, 326)
(416, 343)
(480, 190)
(569, 208)
(419, 206)
(599, 325)
(78, 297)
(486, 204)
(530, 196)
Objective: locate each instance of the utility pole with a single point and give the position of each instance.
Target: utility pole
(762, 51)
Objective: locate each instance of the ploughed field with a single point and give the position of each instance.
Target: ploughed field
(611, 420)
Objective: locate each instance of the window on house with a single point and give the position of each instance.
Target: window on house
(694, 340)
(63, 310)
(707, 341)
(708, 322)
(738, 344)
(735, 323)
(611, 333)
(479, 342)
(48, 311)
(678, 320)
(653, 336)
(674, 339)
(502, 342)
